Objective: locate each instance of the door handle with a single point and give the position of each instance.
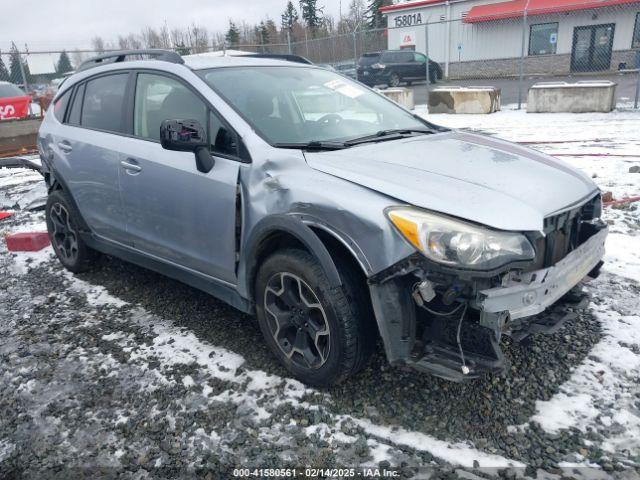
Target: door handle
(65, 146)
(130, 167)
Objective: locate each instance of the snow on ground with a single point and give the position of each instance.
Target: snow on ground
(601, 393)
(609, 376)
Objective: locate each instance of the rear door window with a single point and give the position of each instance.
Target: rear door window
(103, 103)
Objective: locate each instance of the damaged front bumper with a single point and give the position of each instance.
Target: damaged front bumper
(526, 294)
(456, 335)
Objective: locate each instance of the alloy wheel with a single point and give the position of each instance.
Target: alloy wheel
(64, 237)
(296, 320)
(394, 80)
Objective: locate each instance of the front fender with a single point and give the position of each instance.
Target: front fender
(291, 225)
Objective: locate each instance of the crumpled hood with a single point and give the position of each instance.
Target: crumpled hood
(476, 177)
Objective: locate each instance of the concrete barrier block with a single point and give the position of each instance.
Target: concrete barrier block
(455, 99)
(15, 134)
(400, 95)
(27, 241)
(578, 97)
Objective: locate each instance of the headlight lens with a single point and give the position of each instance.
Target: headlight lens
(457, 243)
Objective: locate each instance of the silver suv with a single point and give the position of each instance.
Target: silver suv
(336, 216)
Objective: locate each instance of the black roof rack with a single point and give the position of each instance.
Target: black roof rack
(121, 56)
(279, 56)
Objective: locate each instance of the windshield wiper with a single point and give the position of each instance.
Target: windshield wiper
(389, 134)
(312, 145)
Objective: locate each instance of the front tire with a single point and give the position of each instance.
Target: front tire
(63, 226)
(394, 80)
(318, 332)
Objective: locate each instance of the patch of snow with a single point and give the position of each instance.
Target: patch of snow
(607, 377)
(379, 452)
(22, 261)
(455, 453)
(96, 295)
(175, 346)
(187, 381)
(6, 449)
(623, 255)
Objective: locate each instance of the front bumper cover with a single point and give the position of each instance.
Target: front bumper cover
(527, 294)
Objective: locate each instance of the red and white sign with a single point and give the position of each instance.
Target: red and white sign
(407, 39)
(14, 107)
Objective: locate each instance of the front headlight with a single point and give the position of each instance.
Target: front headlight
(457, 243)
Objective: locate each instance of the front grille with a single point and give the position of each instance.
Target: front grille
(566, 231)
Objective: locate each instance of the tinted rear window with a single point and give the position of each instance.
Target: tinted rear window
(103, 103)
(396, 57)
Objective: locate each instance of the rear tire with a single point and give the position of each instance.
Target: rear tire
(321, 334)
(394, 80)
(63, 226)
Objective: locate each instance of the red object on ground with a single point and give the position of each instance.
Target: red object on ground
(4, 215)
(515, 8)
(14, 107)
(27, 241)
(622, 201)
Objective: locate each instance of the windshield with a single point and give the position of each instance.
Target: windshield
(8, 90)
(302, 104)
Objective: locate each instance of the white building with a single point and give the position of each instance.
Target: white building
(484, 37)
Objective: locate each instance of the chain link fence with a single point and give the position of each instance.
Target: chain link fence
(509, 51)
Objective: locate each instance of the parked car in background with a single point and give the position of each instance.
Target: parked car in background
(348, 69)
(393, 67)
(329, 211)
(14, 103)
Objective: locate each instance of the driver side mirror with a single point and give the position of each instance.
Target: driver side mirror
(187, 136)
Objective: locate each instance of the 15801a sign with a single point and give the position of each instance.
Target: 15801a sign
(408, 20)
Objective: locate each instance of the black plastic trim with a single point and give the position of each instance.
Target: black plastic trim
(282, 223)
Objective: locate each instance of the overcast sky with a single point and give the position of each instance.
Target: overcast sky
(51, 24)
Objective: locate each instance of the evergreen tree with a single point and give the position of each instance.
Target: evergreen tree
(4, 72)
(14, 66)
(263, 33)
(374, 16)
(311, 13)
(289, 17)
(182, 49)
(64, 64)
(233, 34)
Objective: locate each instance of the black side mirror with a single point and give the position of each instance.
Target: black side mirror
(187, 136)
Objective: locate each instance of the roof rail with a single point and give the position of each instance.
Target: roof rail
(280, 56)
(121, 55)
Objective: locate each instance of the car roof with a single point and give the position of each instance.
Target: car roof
(204, 61)
(193, 62)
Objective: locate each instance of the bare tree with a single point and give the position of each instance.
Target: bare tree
(198, 38)
(98, 44)
(165, 37)
(150, 38)
(77, 57)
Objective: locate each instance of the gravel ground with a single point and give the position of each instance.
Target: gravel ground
(122, 372)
